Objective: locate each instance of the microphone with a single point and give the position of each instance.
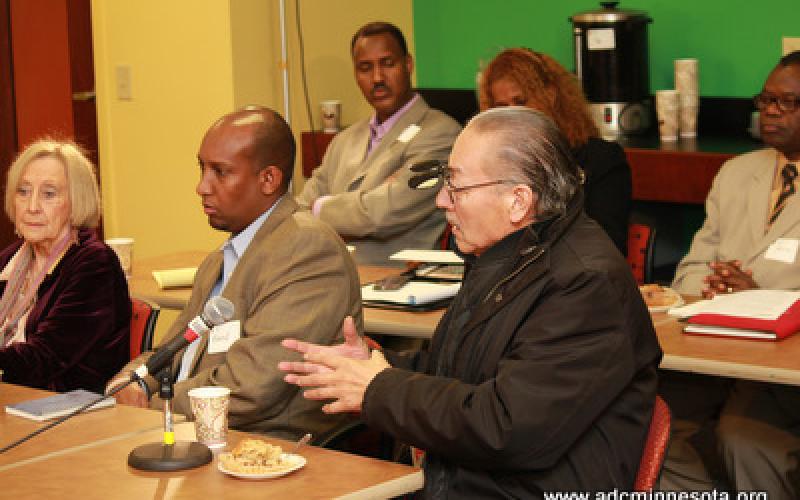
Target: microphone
(217, 310)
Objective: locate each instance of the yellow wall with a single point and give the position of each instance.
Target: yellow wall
(327, 28)
(192, 61)
(181, 81)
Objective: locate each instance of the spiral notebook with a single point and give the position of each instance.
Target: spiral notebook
(58, 405)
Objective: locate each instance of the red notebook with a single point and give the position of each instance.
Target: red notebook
(785, 325)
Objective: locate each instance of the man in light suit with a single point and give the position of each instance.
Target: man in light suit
(750, 239)
(361, 188)
(286, 273)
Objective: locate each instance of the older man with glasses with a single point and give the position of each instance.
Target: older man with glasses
(750, 239)
(541, 376)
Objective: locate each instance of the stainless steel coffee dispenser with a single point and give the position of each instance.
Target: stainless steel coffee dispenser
(612, 63)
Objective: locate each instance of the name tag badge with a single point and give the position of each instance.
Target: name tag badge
(783, 250)
(222, 337)
(409, 133)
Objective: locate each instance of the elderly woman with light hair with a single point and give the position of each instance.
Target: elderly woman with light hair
(64, 308)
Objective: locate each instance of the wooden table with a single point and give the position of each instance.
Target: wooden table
(93, 427)
(764, 361)
(142, 284)
(738, 358)
(52, 466)
(398, 323)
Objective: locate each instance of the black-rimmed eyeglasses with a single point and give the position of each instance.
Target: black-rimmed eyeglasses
(430, 172)
(786, 103)
(452, 190)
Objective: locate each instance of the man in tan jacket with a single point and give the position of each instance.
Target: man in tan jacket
(361, 188)
(278, 268)
(750, 239)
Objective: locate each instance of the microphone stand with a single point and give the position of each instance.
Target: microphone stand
(169, 455)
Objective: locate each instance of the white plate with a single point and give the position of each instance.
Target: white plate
(298, 462)
(670, 293)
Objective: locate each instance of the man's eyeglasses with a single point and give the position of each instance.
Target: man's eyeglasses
(786, 103)
(429, 173)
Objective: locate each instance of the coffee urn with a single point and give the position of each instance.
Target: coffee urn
(612, 63)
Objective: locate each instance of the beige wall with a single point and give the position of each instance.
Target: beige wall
(192, 61)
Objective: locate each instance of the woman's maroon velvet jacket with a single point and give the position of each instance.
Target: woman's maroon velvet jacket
(77, 333)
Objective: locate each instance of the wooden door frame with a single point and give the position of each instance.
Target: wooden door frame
(8, 122)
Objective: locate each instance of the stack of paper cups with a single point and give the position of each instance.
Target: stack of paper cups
(668, 113)
(686, 83)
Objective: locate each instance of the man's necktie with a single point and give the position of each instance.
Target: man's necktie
(788, 174)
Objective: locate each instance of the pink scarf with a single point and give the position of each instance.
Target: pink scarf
(17, 298)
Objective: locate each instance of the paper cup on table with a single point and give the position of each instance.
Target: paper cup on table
(686, 76)
(668, 112)
(688, 115)
(331, 116)
(210, 409)
(123, 247)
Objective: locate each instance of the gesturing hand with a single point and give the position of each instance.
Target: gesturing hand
(352, 347)
(335, 377)
(727, 277)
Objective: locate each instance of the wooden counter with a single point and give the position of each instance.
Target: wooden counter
(681, 171)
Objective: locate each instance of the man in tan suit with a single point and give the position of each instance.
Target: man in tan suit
(286, 273)
(361, 188)
(750, 239)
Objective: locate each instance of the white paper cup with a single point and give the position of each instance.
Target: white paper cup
(331, 115)
(210, 410)
(755, 125)
(123, 247)
(688, 115)
(686, 76)
(668, 112)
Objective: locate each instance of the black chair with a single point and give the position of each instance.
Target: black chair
(641, 254)
(354, 436)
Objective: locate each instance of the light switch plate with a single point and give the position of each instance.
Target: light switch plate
(790, 44)
(123, 75)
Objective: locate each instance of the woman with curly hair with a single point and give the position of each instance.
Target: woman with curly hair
(522, 77)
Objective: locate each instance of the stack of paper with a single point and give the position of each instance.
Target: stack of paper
(175, 278)
(758, 314)
(412, 293)
(430, 256)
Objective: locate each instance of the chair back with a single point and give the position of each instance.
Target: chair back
(445, 242)
(641, 242)
(143, 325)
(655, 447)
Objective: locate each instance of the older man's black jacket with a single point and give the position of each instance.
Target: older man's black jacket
(540, 377)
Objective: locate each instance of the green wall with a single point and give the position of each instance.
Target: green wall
(737, 42)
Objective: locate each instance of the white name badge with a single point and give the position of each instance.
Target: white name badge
(222, 337)
(783, 250)
(409, 133)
